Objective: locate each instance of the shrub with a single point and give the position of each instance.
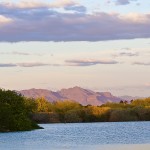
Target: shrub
(14, 114)
(123, 115)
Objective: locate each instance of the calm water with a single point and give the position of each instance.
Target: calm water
(88, 136)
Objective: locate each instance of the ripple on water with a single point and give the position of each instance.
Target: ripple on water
(80, 136)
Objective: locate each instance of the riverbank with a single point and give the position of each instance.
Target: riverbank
(72, 112)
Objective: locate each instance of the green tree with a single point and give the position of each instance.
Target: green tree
(63, 108)
(14, 113)
(43, 105)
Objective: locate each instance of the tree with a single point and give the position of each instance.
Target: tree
(43, 105)
(14, 114)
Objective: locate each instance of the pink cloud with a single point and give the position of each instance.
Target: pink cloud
(4, 20)
(28, 4)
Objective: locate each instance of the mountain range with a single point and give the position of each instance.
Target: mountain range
(77, 94)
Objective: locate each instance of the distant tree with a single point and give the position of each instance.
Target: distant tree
(121, 102)
(125, 102)
(131, 101)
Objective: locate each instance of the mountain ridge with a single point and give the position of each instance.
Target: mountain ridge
(77, 94)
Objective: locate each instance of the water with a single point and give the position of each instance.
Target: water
(81, 136)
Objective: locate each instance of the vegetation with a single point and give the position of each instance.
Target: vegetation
(70, 112)
(14, 112)
(18, 113)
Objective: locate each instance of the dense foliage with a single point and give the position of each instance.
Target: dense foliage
(69, 111)
(14, 112)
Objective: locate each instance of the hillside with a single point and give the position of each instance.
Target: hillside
(78, 94)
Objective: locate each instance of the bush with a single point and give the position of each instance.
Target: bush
(123, 115)
(95, 114)
(64, 107)
(14, 114)
(142, 113)
(45, 117)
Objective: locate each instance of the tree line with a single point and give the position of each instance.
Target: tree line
(69, 111)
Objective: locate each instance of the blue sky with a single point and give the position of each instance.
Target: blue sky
(101, 45)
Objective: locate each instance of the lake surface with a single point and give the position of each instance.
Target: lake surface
(81, 136)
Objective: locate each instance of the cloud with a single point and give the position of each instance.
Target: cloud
(126, 48)
(77, 8)
(89, 62)
(32, 64)
(44, 24)
(34, 4)
(20, 53)
(142, 63)
(14, 53)
(147, 84)
(68, 63)
(7, 65)
(129, 54)
(123, 2)
(36, 64)
(64, 3)
(4, 20)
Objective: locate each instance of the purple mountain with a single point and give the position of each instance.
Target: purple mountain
(80, 95)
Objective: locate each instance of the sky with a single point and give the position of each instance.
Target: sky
(102, 45)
